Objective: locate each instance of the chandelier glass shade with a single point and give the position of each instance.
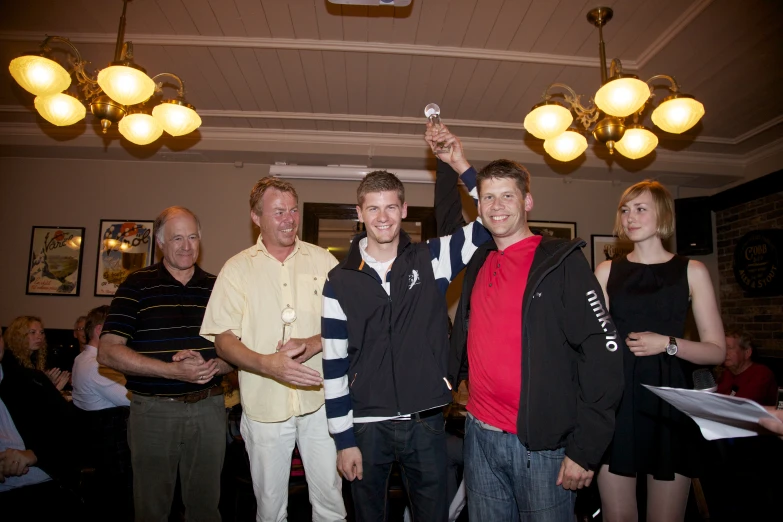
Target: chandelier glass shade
(637, 142)
(140, 128)
(548, 119)
(677, 113)
(567, 146)
(125, 84)
(113, 96)
(177, 119)
(620, 97)
(60, 109)
(39, 75)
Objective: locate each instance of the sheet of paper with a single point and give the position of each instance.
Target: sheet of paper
(718, 416)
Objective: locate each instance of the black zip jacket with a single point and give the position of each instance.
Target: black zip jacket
(572, 373)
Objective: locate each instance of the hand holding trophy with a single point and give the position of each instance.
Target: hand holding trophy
(432, 112)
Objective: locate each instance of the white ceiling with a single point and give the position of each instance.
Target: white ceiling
(314, 83)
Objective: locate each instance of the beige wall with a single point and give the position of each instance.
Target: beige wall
(80, 193)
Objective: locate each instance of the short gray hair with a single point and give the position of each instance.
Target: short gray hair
(164, 216)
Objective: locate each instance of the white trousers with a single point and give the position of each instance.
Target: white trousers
(269, 446)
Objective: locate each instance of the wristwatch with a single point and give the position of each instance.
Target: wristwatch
(671, 348)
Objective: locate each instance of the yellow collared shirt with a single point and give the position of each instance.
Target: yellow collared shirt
(250, 293)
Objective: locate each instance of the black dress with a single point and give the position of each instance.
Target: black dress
(651, 437)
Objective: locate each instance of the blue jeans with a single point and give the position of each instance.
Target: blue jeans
(419, 446)
(506, 483)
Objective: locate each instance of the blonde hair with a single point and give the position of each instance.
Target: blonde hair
(664, 207)
(16, 341)
(264, 184)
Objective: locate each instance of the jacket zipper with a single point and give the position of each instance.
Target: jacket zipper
(391, 345)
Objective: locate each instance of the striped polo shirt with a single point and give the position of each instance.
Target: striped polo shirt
(159, 316)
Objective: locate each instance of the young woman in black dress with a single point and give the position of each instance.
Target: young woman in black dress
(649, 292)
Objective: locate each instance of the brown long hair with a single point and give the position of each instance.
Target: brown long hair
(17, 342)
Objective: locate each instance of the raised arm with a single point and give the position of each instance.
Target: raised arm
(448, 204)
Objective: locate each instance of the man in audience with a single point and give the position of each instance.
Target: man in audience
(101, 394)
(385, 335)
(741, 376)
(177, 419)
(544, 387)
(79, 332)
(96, 388)
(263, 296)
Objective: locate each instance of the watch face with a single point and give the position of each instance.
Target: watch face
(671, 349)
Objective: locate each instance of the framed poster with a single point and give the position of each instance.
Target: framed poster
(123, 248)
(561, 229)
(55, 265)
(608, 247)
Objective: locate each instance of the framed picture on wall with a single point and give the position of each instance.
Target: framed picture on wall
(55, 265)
(123, 248)
(561, 229)
(608, 247)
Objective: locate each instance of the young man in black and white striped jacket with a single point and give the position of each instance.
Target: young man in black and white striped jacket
(385, 339)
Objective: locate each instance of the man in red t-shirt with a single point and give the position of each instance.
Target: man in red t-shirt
(534, 338)
(742, 377)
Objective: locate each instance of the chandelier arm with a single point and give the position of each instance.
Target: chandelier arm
(675, 87)
(180, 90)
(587, 116)
(45, 45)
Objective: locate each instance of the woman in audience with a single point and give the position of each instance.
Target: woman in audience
(42, 417)
(26, 342)
(648, 293)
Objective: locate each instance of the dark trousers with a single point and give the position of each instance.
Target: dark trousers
(166, 436)
(419, 446)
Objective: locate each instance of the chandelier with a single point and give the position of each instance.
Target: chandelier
(621, 97)
(122, 93)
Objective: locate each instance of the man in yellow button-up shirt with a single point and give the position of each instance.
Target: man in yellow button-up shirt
(280, 383)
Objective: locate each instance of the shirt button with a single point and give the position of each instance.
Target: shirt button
(494, 273)
(285, 284)
(490, 284)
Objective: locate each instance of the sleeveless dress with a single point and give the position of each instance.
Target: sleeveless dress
(651, 436)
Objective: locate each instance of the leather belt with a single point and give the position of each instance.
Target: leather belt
(193, 397)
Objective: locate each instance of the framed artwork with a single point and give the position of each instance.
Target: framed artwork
(608, 247)
(562, 229)
(123, 248)
(55, 265)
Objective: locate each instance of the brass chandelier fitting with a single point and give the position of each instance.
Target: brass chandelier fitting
(122, 93)
(621, 96)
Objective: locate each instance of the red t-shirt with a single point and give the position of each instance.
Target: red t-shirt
(495, 334)
(756, 383)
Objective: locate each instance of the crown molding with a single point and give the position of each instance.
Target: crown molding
(366, 145)
(409, 120)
